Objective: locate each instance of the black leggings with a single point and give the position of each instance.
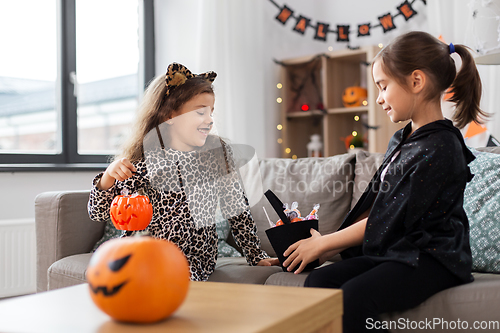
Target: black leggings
(371, 288)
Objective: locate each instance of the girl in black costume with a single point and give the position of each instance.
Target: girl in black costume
(407, 238)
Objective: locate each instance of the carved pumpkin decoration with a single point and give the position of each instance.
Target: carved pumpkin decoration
(131, 212)
(354, 96)
(138, 279)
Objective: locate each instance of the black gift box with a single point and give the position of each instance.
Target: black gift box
(281, 237)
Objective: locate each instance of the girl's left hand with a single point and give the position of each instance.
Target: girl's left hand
(303, 252)
(269, 262)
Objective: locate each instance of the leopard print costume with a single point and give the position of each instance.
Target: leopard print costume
(185, 189)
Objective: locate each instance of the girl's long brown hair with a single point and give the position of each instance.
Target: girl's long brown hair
(419, 50)
(156, 108)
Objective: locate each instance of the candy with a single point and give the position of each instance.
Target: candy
(293, 213)
(313, 215)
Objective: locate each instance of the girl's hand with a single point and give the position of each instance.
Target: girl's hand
(303, 252)
(269, 262)
(120, 170)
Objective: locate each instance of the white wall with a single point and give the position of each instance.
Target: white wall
(239, 40)
(19, 189)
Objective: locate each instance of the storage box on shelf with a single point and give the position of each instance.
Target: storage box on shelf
(317, 82)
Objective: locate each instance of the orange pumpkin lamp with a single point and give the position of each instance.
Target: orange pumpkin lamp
(138, 279)
(354, 96)
(131, 212)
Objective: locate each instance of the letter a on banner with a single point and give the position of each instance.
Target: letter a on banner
(284, 15)
(342, 33)
(387, 22)
(301, 25)
(321, 31)
(364, 29)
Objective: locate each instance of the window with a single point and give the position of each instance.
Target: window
(72, 78)
(28, 72)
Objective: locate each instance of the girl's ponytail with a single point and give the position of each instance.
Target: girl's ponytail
(420, 50)
(466, 90)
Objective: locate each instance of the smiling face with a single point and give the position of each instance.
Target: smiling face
(191, 124)
(396, 101)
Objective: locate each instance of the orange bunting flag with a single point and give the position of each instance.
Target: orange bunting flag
(284, 15)
(342, 33)
(387, 22)
(321, 30)
(364, 29)
(407, 10)
(301, 25)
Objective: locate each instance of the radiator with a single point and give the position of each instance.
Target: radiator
(17, 257)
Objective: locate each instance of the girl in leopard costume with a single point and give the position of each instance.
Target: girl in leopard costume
(186, 172)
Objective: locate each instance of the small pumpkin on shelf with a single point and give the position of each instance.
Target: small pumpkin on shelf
(138, 279)
(354, 96)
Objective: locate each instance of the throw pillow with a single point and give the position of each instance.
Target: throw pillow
(367, 165)
(327, 181)
(223, 230)
(110, 232)
(482, 205)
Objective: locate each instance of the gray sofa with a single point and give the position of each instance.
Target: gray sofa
(65, 236)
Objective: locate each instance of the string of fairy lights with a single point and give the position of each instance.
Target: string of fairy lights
(343, 33)
(356, 139)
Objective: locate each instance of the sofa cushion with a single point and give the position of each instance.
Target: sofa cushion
(476, 302)
(493, 149)
(366, 166)
(237, 270)
(482, 204)
(223, 229)
(287, 279)
(327, 181)
(68, 271)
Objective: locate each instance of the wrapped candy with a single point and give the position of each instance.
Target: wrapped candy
(293, 214)
(313, 215)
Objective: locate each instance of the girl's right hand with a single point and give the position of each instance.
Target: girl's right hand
(303, 252)
(120, 170)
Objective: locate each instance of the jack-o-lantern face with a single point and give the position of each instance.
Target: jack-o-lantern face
(354, 96)
(138, 279)
(132, 212)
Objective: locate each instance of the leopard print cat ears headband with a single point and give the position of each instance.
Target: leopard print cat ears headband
(177, 75)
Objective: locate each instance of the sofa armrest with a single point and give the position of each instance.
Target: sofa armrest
(63, 228)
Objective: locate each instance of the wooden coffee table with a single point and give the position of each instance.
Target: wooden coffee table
(209, 307)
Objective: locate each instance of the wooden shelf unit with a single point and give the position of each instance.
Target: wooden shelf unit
(324, 78)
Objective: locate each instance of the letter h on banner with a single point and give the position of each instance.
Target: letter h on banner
(284, 15)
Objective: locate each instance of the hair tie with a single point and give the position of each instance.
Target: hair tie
(452, 48)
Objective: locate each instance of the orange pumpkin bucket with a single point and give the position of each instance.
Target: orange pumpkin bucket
(131, 212)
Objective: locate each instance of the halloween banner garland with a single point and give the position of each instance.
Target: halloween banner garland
(385, 21)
